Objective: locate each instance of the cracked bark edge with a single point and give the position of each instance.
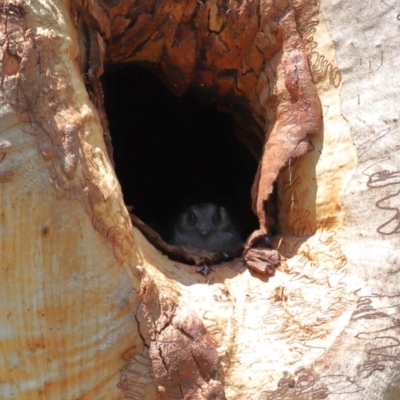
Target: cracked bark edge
(93, 30)
(184, 254)
(183, 356)
(261, 260)
(280, 92)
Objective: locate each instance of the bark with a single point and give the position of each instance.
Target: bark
(90, 309)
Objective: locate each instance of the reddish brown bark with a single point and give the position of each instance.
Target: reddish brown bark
(248, 53)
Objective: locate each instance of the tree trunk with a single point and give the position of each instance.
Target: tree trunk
(92, 308)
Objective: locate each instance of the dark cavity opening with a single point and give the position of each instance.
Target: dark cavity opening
(172, 152)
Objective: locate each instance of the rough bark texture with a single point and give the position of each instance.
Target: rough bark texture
(249, 53)
(89, 309)
(64, 227)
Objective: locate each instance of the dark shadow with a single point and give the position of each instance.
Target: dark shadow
(172, 152)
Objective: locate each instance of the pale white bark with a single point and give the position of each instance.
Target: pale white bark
(65, 287)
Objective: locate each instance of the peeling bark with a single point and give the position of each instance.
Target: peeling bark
(247, 53)
(182, 353)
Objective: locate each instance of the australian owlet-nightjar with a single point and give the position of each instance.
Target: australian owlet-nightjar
(206, 226)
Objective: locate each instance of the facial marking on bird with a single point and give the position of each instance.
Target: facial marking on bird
(206, 226)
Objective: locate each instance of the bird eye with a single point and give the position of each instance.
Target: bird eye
(192, 219)
(216, 218)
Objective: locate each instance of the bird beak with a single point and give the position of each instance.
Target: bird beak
(204, 231)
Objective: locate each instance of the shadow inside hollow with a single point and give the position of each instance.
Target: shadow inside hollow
(171, 152)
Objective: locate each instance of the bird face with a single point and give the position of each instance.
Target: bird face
(203, 220)
(206, 226)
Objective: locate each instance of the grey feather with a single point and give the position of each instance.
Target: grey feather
(206, 226)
